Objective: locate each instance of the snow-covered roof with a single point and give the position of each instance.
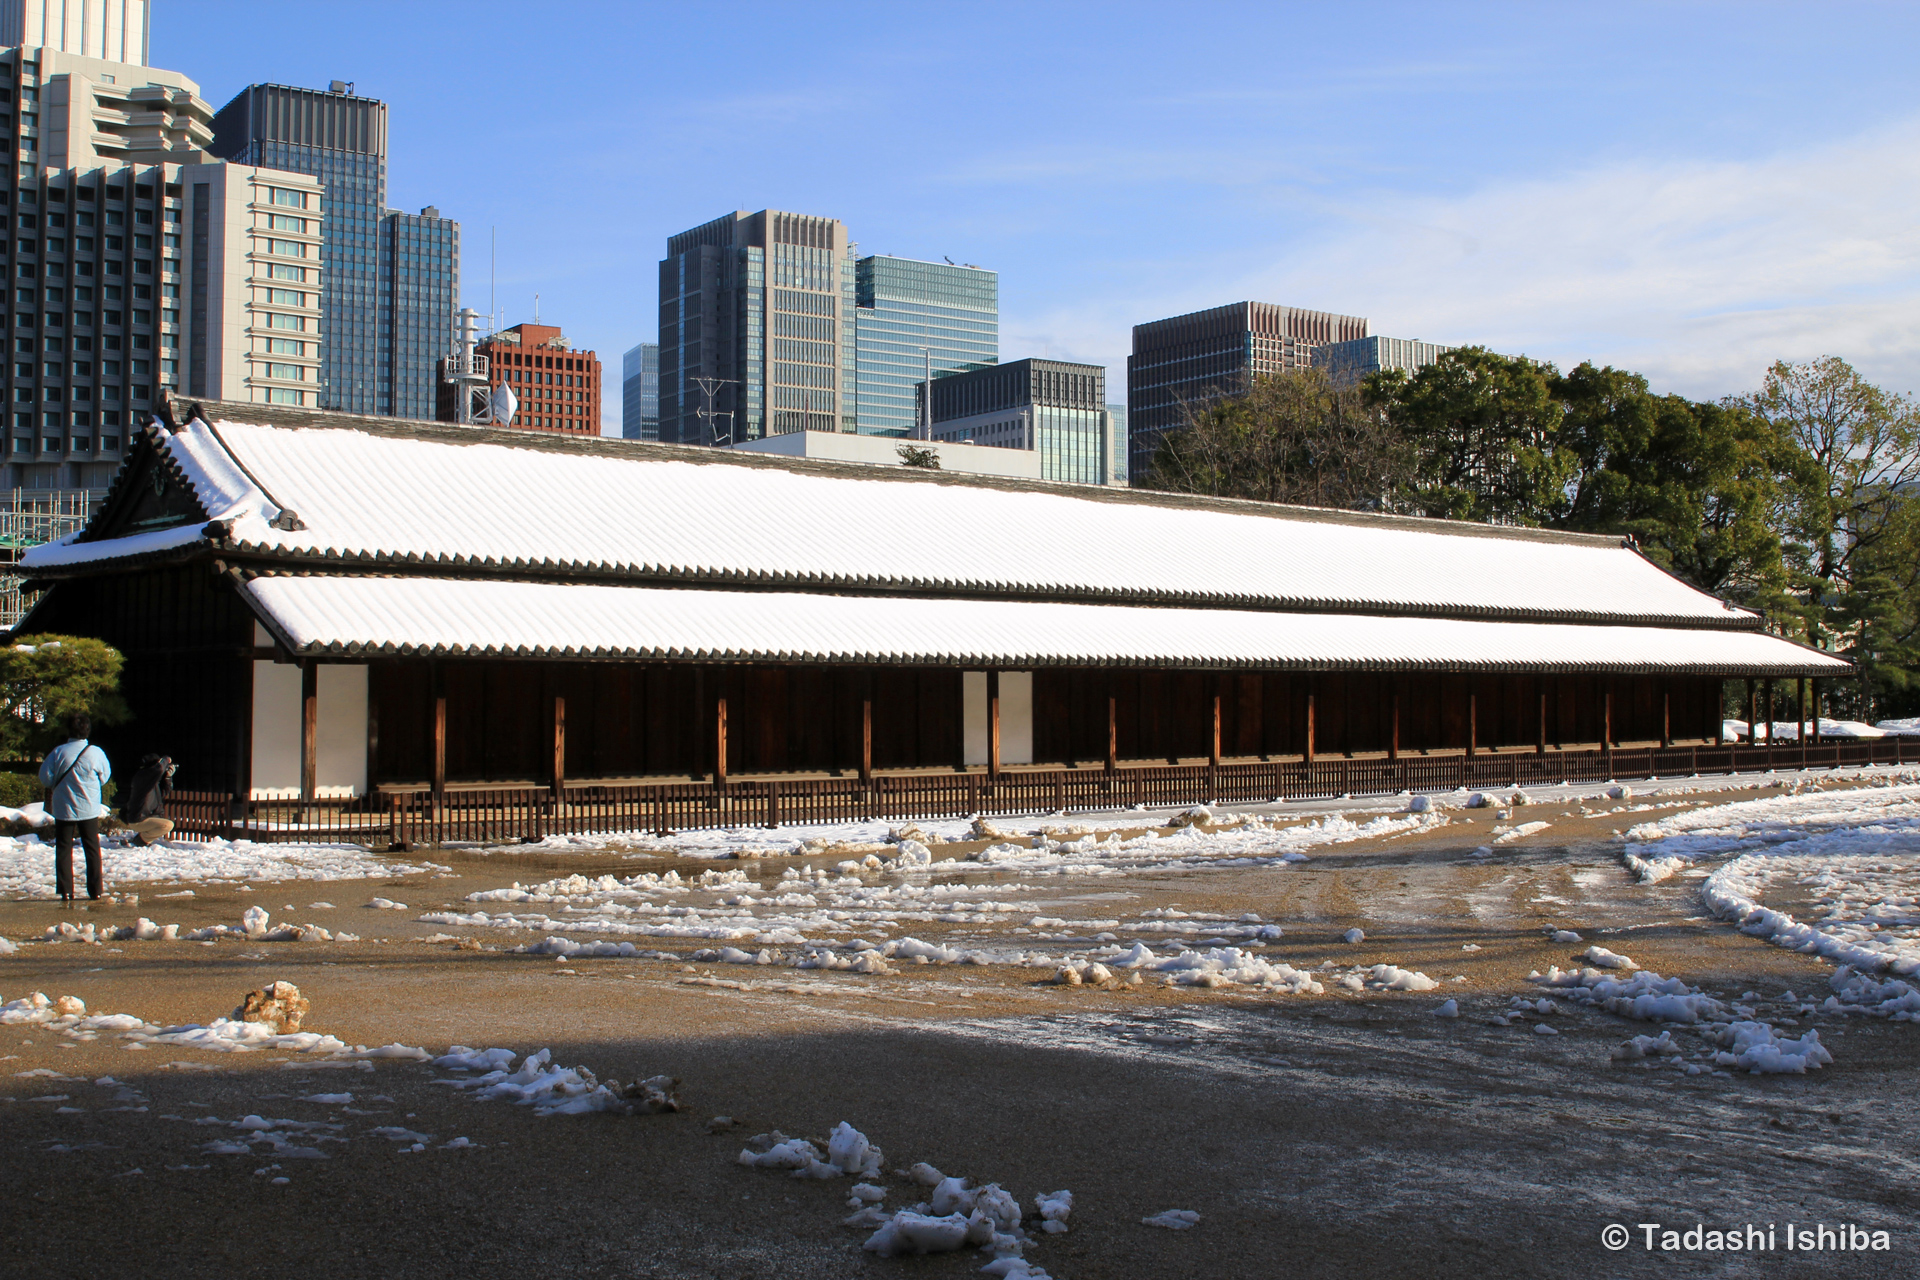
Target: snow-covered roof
(414, 498)
(348, 616)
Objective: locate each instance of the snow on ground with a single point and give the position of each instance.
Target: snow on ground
(1852, 856)
(879, 894)
(955, 1215)
(26, 863)
(1875, 817)
(1789, 730)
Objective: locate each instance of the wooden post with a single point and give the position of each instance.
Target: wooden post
(1753, 716)
(1540, 741)
(1393, 740)
(559, 746)
(373, 737)
(1767, 698)
(1213, 748)
(993, 724)
(309, 731)
(1666, 715)
(866, 726)
(1309, 757)
(1800, 710)
(720, 741)
(1606, 723)
(1813, 688)
(1113, 727)
(1473, 719)
(439, 739)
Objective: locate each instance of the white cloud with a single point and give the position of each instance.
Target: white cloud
(1698, 275)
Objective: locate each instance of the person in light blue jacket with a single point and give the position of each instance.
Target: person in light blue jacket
(74, 771)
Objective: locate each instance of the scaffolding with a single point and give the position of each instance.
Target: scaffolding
(29, 517)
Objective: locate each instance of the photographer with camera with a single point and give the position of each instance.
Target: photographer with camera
(147, 798)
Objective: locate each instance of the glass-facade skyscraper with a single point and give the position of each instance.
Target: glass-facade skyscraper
(1055, 407)
(391, 281)
(1348, 363)
(756, 309)
(640, 392)
(419, 293)
(906, 310)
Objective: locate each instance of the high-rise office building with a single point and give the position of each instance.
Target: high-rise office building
(640, 392)
(1188, 360)
(419, 294)
(135, 263)
(758, 309)
(909, 314)
(1348, 363)
(254, 278)
(109, 30)
(393, 279)
(557, 388)
(1056, 408)
(1118, 442)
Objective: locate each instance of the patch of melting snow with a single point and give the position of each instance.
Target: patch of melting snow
(26, 864)
(955, 1214)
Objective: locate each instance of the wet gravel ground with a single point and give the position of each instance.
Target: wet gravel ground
(1344, 1135)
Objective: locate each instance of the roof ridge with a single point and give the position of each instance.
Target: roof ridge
(286, 418)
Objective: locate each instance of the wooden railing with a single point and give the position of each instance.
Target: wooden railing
(494, 815)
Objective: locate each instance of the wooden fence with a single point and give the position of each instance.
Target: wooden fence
(495, 815)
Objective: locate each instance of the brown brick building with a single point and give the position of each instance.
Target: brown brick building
(558, 388)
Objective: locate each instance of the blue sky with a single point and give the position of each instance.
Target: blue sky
(1689, 190)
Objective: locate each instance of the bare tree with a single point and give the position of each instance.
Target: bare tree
(1291, 437)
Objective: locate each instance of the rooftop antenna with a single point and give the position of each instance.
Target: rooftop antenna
(536, 308)
(493, 275)
(469, 373)
(711, 434)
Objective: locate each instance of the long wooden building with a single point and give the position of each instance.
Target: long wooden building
(334, 609)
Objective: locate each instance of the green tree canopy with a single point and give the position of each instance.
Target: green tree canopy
(1698, 485)
(1852, 516)
(45, 679)
(1485, 431)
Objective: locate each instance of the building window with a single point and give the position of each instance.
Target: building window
(286, 298)
(109, 444)
(23, 444)
(287, 372)
(287, 249)
(291, 199)
(283, 395)
(83, 444)
(286, 347)
(277, 321)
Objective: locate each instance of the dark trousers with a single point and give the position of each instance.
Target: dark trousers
(63, 833)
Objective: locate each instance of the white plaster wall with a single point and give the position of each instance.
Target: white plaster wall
(342, 731)
(1016, 716)
(276, 730)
